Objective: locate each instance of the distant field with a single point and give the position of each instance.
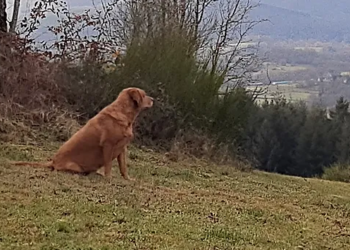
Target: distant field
(275, 68)
(278, 72)
(318, 49)
(289, 91)
(279, 68)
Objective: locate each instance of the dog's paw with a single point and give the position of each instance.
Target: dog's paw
(101, 171)
(108, 177)
(128, 178)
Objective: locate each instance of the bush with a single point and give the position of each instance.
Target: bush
(187, 105)
(30, 95)
(337, 172)
(27, 79)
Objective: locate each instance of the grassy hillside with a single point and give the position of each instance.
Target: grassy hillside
(172, 205)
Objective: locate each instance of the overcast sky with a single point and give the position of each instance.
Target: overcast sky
(26, 5)
(42, 33)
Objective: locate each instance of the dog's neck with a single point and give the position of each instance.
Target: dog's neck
(121, 112)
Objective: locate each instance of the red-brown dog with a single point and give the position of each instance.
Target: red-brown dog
(103, 138)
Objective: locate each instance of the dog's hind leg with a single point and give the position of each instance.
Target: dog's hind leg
(70, 167)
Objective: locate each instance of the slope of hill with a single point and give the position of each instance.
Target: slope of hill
(325, 9)
(298, 20)
(172, 205)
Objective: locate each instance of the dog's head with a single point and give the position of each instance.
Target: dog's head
(139, 97)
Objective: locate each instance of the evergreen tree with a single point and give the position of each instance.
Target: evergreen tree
(342, 127)
(316, 145)
(343, 144)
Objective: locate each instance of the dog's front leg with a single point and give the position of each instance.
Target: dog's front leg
(107, 159)
(122, 165)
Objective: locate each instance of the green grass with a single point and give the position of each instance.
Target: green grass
(172, 205)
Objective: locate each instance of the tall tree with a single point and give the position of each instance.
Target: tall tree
(13, 23)
(3, 16)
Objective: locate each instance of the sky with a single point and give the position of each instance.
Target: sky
(42, 33)
(26, 5)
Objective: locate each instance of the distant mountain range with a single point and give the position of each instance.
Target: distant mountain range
(323, 20)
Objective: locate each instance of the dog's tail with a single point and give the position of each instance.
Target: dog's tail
(33, 164)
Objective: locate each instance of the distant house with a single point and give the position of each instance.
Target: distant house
(345, 73)
(255, 84)
(317, 49)
(281, 82)
(320, 79)
(330, 76)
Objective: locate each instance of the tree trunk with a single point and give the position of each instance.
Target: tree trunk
(3, 17)
(14, 16)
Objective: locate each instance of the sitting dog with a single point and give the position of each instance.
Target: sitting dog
(103, 138)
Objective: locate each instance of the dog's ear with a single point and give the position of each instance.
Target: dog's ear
(135, 95)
